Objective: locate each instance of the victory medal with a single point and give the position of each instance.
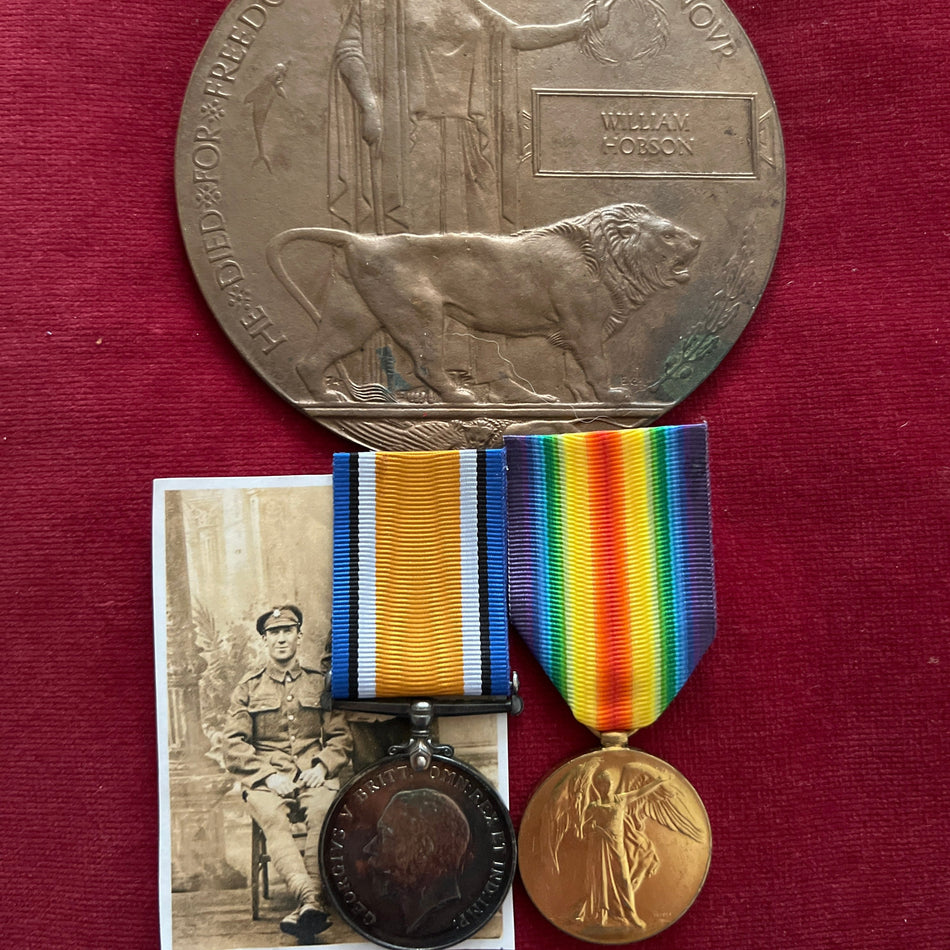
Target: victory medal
(611, 585)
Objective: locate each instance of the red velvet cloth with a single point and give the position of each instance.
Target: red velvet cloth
(814, 728)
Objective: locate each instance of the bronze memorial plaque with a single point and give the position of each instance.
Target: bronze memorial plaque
(427, 223)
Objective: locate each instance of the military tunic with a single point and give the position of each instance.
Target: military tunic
(276, 724)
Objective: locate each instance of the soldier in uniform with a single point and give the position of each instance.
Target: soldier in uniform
(290, 755)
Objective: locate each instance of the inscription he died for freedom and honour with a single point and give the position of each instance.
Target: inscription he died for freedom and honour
(418, 859)
(427, 223)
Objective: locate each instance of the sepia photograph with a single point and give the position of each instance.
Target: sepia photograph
(252, 755)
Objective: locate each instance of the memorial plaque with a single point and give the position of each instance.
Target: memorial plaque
(429, 223)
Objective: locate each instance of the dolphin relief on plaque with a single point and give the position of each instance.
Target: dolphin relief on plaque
(429, 223)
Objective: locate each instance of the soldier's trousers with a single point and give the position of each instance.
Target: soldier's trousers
(300, 872)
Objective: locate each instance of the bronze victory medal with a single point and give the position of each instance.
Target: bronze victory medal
(614, 846)
(419, 859)
(427, 223)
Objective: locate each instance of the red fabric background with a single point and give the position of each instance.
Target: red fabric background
(815, 727)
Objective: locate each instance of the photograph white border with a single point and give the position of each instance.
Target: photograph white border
(506, 941)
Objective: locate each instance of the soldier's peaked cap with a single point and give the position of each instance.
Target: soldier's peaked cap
(279, 617)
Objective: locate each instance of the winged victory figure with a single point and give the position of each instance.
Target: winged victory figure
(607, 807)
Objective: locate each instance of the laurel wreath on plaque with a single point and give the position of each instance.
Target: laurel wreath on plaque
(704, 337)
(593, 43)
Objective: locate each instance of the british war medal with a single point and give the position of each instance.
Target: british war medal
(418, 851)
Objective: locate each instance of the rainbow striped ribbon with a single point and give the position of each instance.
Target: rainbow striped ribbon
(419, 574)
(610, 565)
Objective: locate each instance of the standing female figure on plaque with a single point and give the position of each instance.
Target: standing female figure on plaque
(424, 136)
(424, 130)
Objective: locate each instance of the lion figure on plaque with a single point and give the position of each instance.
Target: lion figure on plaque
(574, 283)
